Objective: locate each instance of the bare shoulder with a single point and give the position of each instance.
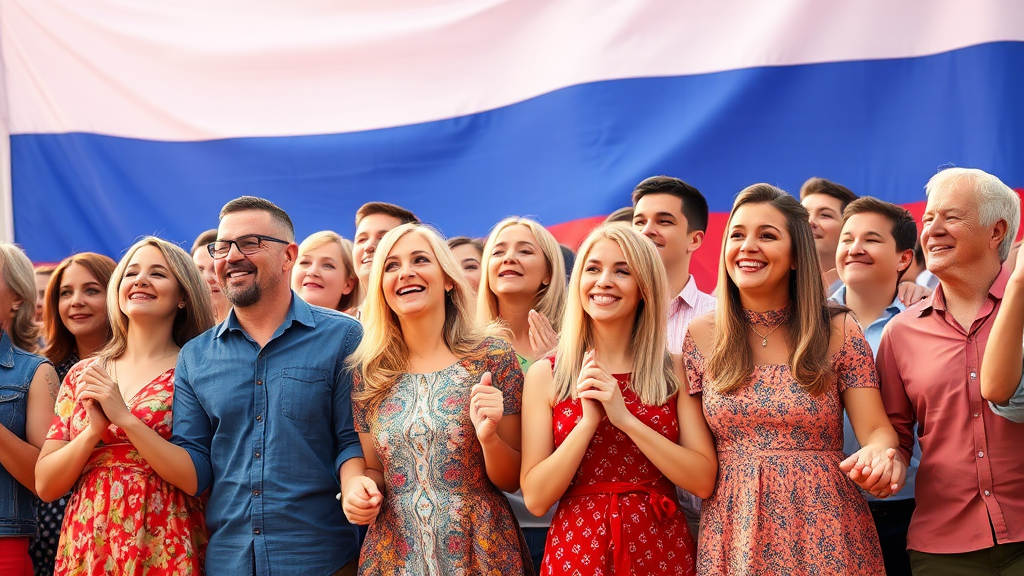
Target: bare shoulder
(702, 331)
(843, 323)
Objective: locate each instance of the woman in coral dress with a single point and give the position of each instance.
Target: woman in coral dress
(775, 366)
(436, 404)
(113, 416)
(606, 432)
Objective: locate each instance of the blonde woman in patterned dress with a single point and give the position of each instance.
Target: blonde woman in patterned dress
(113, 420)
(607, 433)
(436, 404)
(774, 367)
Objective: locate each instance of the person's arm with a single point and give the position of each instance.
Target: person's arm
(61, 461)
(498, 434)
(547, 471)
(191, 431)
(692, 463)
(876, 467)
(342, 422)
(19, 456)
(1004, 353)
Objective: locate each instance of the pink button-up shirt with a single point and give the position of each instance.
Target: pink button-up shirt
(689, 304)
(972, 461)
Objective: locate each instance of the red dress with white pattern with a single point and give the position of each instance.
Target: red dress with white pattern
(619, 515)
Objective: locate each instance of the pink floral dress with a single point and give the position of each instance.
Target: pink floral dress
(619, 515)
(122, 517)
(782, 505)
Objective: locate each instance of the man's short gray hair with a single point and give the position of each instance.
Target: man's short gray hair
(996, 201)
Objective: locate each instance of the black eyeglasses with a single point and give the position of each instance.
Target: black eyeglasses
(246, 245)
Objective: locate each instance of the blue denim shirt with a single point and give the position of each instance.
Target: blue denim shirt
(17, 369)
(268, 430)
(873, 334)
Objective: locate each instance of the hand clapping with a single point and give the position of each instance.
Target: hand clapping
(597, 384)
(543, 338)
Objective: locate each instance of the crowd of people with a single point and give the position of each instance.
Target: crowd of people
(849, 401)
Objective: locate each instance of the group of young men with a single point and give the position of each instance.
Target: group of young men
(270, 430)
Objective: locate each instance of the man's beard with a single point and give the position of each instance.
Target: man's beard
(244, 297)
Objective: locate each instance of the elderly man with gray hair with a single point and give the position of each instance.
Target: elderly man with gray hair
(970, 486)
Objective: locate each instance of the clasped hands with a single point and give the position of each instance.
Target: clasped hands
(879, 471)
(599, 393)
(102, 400)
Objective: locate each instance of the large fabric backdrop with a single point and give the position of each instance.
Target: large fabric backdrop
(130, 118)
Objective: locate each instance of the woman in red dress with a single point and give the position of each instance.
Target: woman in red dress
(606, 432)
(113, 418)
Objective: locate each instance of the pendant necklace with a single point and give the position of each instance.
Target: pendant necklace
(764, 337)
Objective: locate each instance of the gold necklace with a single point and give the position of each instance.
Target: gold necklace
(764, 337)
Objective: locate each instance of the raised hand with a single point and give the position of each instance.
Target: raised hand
(100, 388)
(98, 422)
(362, 500)
(543, 338)
(486, 406)
(596, 383)
(910, 293)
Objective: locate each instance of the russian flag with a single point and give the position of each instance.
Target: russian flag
(131, 118)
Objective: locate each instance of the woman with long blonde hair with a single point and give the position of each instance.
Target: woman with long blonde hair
(436, 403)
(774, 367)
(606, 432)
(324, 274)
(113, 419)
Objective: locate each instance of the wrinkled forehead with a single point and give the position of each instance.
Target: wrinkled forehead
(960, 196)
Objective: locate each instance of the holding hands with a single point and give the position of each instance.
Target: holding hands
(486, 406)
(362, 500)
(876, 469)
(596, 385)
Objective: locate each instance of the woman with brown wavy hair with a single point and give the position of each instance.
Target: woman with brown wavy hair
(775, 365)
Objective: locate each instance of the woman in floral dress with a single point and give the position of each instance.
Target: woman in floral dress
(775, 366)
(436, 404)
(113, 417)
(606, 433)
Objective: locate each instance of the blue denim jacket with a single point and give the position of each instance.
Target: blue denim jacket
(268, 430)
(17, 368)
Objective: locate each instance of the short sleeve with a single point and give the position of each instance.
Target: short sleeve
(854, 364)
(64, 408)
(1014, 409)
(360, 419)
(694, 364)
(506, 375)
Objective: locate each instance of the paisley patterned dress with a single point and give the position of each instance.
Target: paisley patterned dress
(441, 515)
(619, 515)
(123, 518)
(782, 505)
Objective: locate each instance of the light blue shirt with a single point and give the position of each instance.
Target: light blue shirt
(873, 334)
(1014, 409)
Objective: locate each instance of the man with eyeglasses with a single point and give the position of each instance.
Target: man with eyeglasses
(262, 413)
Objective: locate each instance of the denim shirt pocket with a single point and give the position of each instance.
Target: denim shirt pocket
(305, 393)
(12, 407)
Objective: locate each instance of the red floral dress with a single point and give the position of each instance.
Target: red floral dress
(782, 505)
(619, 515)
(123, 518)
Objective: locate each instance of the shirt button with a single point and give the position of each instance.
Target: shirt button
(981, 454)
(255, 492)
(987, 493)
(974, 375)
(255, 530)
(259, 382)
(257, 455)
(975, 414)
(259, 417)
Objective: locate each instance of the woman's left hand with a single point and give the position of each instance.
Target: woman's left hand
(598, 384)
(100, 387)
(876, 469)
(486, 406)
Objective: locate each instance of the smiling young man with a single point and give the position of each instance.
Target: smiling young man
(876, 247)
(263, 412)
(969, 515)
(825, 201)
(674, 215)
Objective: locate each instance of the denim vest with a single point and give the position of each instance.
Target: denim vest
(17, 368)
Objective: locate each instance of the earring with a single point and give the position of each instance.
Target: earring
(181, 304)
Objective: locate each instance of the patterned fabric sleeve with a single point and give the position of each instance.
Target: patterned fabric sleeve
(505, 374)
(64, 409)
(360, 419)
(854, 363)
(693, 362)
